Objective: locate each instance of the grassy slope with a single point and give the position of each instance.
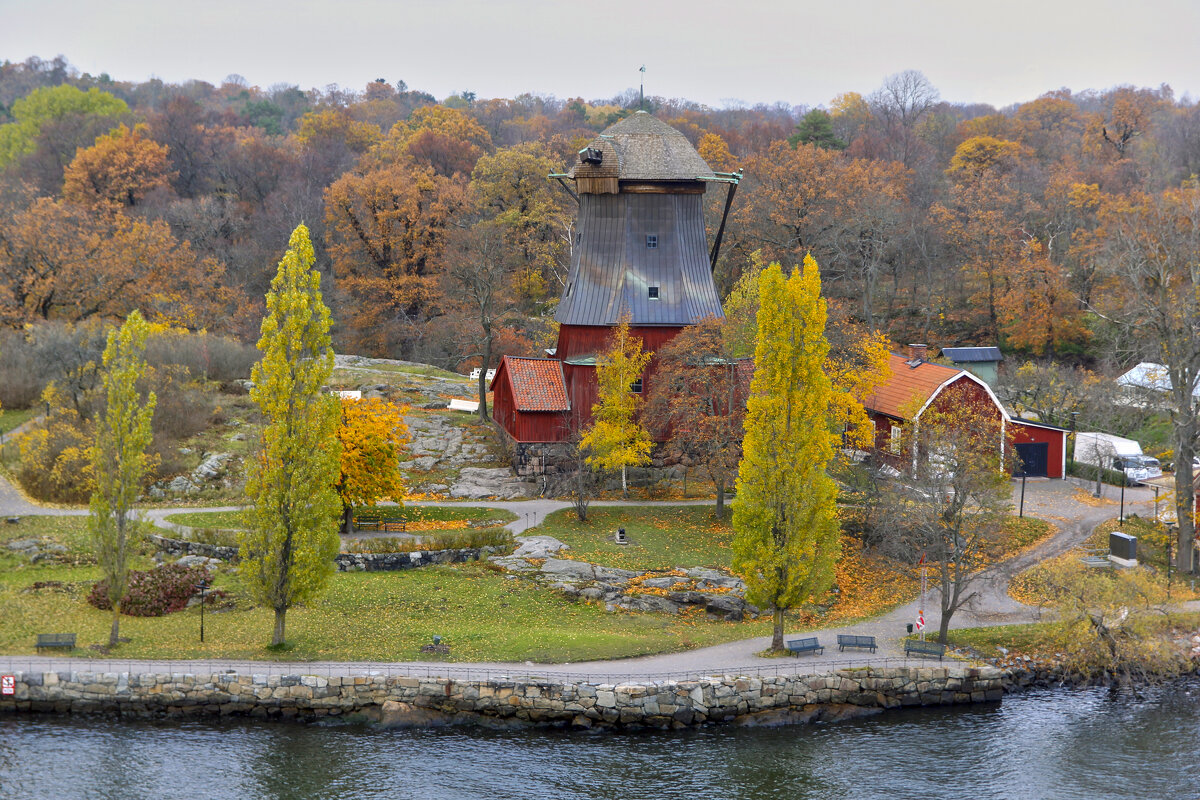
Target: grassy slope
(662, 537)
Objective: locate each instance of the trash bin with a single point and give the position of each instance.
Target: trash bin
(909, 626)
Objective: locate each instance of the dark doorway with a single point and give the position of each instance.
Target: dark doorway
(1035, 457)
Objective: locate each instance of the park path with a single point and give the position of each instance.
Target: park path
(1065, 503)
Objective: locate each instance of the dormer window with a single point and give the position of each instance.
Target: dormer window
(653, 292)
(651, 241)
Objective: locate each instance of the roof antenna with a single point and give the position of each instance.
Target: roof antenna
(642, 89)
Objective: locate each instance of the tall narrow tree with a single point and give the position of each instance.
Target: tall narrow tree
(786, 538)
(291, 538)
(616, 439)
(119, 459)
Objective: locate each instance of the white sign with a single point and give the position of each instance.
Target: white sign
(921, 620)
(8, 684)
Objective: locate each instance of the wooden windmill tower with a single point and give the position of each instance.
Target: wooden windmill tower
(640, 249)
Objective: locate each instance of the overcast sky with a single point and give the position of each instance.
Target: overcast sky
(797, 52)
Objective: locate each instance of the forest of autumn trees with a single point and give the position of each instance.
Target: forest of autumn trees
(442, 240)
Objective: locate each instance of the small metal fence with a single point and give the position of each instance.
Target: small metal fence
(463, 672)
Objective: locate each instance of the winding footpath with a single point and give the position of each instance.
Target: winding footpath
(1066, 504)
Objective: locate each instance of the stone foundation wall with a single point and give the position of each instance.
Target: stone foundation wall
(420, 702)
(552, 462)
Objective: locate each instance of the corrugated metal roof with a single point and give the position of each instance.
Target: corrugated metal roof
(613, 268)
(908, 385)
(965, 355)
(1148, 375)
(647, 149)
(537, 383)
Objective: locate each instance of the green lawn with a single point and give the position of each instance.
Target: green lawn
(13, 417)
(233, 519)
(661, 537)
(381, 616)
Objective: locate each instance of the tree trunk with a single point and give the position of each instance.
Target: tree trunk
(624, 484)
(777, 634)
(277, 636)
(487, 360)
(720, 499)
(347, 520)
(114, 634)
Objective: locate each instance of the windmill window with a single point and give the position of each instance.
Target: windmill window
(653, 291)
(636, 386)
(652, 241)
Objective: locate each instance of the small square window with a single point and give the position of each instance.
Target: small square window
(636, 386)
(653, 291)
(652, 240)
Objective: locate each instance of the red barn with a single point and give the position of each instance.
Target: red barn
(916, 384)
(640, 249)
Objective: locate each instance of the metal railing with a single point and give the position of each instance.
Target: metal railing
(464, 672)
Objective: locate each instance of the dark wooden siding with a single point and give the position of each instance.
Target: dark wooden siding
(1028, 434)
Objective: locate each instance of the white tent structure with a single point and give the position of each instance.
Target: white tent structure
(1150, 377)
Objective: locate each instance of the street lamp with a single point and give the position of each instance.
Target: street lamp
(203, 586)
(1074, 416)
(1170, 538)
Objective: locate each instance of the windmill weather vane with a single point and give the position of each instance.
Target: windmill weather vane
(642, 89)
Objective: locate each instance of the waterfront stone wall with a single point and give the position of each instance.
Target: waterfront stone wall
(427, 701)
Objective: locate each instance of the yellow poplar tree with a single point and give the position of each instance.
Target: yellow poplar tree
(616, 439)
(786, 537)
(291, 539)
(373, 435)
(119, 459)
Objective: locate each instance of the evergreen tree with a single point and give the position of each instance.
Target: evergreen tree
(786, 536)
(816, 127)
(288, 548)
(616, 439)
(119, 459)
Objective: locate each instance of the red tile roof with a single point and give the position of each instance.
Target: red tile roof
(537, 383)
(908, 384)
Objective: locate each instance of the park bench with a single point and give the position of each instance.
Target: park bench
(853, 640)
(63, 640)
(924, 648)
(810, 645)
(374, 522)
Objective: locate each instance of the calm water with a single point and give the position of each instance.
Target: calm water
(1082, 744)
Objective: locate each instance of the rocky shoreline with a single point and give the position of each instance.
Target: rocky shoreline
(403, 701)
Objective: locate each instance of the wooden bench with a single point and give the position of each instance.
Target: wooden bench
(810, 645)
(924, 648)
(63, 640)
(853, 640)
(373, 522)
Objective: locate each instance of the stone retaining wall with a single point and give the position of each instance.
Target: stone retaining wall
(346, 562)
(410, 701)
(378, 562)
(183, 547)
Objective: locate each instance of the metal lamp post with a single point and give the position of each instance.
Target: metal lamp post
(203, 587)
(1170, 538)
(1074, 415)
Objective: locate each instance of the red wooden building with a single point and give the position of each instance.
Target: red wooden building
(916, 384)
(640, 250)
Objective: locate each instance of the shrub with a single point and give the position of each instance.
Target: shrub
(457, 540)
(155, 592)
(55, 464)
(204, 356)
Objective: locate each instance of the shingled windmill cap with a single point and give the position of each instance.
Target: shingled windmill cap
(648, 149)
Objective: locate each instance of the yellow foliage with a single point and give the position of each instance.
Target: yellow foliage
(373, 435)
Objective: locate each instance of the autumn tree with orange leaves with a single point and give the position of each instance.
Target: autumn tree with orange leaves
(373, 435)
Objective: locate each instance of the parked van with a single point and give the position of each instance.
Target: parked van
(1114, 452)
